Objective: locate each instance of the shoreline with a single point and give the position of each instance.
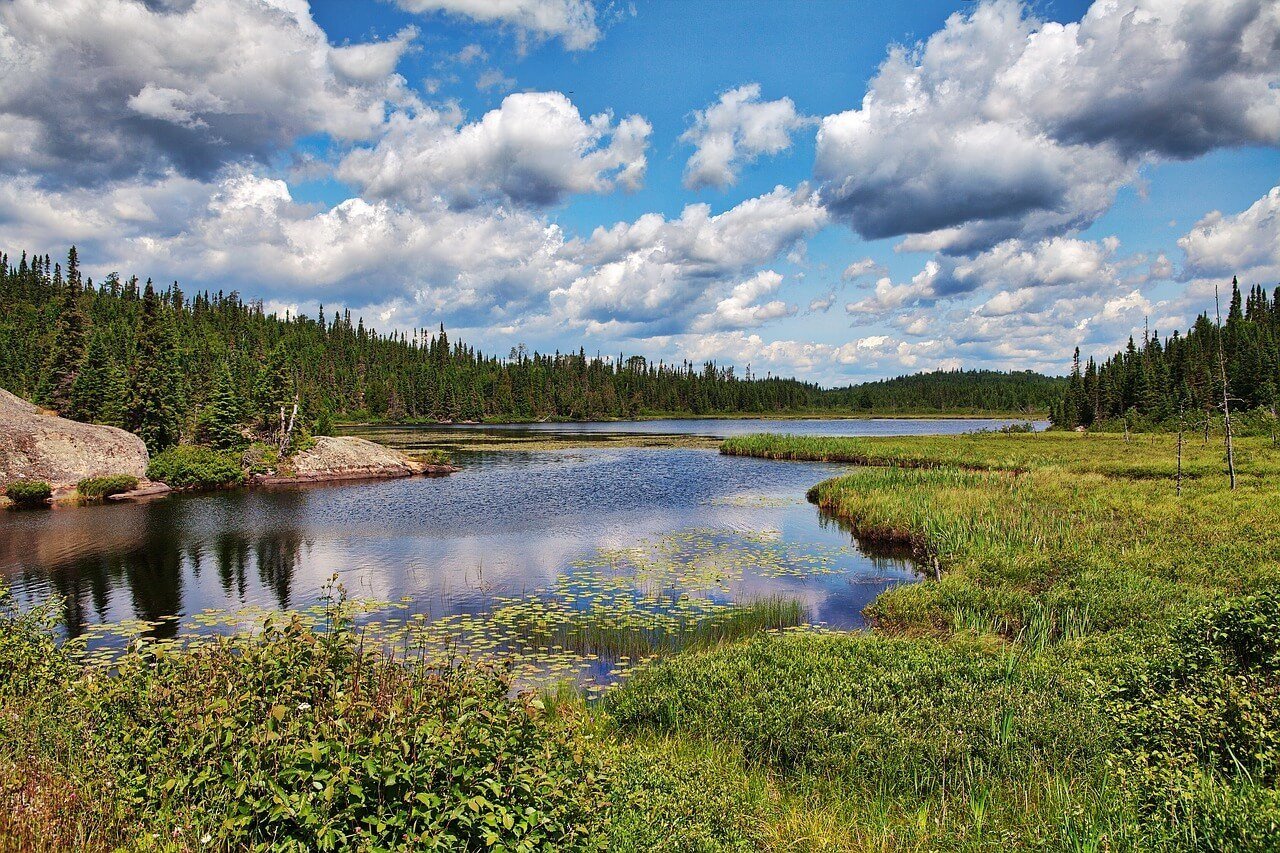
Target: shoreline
(751, 416)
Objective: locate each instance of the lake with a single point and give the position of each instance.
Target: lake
(505, 553)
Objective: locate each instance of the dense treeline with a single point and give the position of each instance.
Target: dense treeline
(166, 364)
(953, 390)
(169, 366)
(1182, 375)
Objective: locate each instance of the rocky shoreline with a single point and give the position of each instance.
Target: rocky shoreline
(348, 458)
(36, 444)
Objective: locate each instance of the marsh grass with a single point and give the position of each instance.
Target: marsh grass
(1095, 669)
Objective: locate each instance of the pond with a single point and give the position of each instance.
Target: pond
(572, 561)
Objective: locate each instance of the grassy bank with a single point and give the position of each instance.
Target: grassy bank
(1097, 668)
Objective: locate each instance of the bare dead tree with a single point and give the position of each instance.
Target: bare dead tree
(286, 434)
(1226, 405)
(1182, 423)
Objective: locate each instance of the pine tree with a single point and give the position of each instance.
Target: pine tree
(96, 383)
(220, 419)
(155, 410)
(65, 356)
(274, 391)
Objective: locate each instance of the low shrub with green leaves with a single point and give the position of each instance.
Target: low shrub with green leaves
(676, 795)
(191, 467)
(291, 740)
(102, 487)
(28, 492)
(1203, 721)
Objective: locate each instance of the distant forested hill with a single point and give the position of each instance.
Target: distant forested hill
(953, 391)
(1149, 384)
(162, 363)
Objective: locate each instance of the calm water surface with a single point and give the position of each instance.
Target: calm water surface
(509, 526)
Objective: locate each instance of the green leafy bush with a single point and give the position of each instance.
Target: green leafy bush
(28, 492)
(1201, 728)
(101, 487)
(189, 467)
(304, 740)
(434, 456)
(260, 458)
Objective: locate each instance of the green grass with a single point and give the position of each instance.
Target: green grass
(1095, 668)
(95, 488)
(631, 633)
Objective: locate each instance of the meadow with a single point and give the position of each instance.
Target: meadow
(1093, 665)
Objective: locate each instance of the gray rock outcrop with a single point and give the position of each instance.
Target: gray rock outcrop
(36, 445)
(349, 458)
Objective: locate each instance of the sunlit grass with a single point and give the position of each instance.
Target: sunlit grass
(1017, 702)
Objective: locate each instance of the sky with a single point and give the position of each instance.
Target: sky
(834, 190)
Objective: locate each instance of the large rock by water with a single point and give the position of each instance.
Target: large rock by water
(35, 445)
(349, 458)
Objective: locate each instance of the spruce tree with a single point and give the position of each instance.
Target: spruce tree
(155, 411)
(96, 382)
(274, 390)
(220, 419)
(66, 353)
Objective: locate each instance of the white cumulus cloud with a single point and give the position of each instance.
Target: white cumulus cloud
(101, 90)
(572, 21)
(735, 131)
(1246, 244)
(535, 149)
(653, 275)
(1001, 125)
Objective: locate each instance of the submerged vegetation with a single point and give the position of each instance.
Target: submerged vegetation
(1095, 668)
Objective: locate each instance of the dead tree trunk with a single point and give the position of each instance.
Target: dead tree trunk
(1226, 404)
(1181, 426)
(286, 434)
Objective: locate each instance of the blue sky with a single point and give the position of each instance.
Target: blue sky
(686, 181)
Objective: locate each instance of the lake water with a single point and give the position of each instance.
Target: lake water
(635, 534)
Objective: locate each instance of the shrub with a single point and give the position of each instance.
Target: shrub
(434, 456)
(260, 458)
(304, 740)
(1201, 728)
(28, 492)
(188, 467)
(101, 487)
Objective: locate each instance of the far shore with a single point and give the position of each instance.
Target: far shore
(753, 416)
